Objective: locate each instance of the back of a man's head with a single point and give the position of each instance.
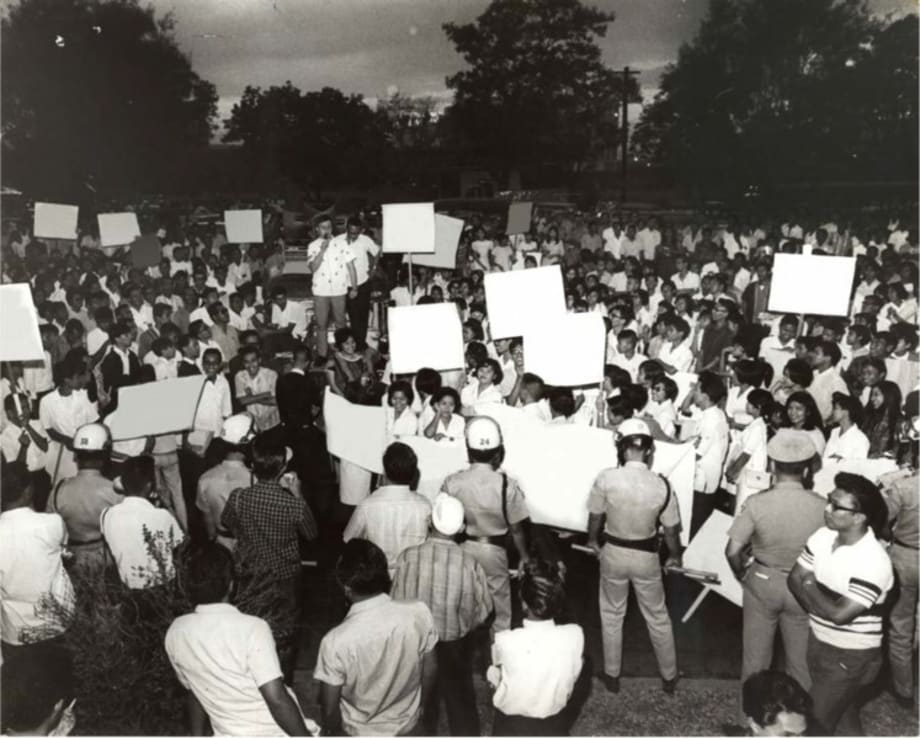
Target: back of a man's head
(138, 475)
(775, 704)
(268, 457)
(362, 569)
(209, 574)
(15, 485)
(400, 464)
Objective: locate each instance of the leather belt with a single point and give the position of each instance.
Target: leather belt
(495, 541)
(651, 544)
(784, 570)
(73, 543)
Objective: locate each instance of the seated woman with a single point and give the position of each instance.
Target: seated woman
(485, 388)
(401, 421)
(347, 366)
(447, 425)
(880, 419)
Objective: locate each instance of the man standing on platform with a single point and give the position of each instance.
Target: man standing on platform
(365, 253)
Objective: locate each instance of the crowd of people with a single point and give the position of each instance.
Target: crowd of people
(238, 501)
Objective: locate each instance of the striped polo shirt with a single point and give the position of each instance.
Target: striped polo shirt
(861, 572)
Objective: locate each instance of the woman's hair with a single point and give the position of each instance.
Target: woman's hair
(363, 569)
(476, 351)
(799, 372)
(476, 328)
(890, 410)
(670, 387)
(428, 381)
(543, 589)
(849, 404)
(342, 335)
(761, 400)
(868, 498)
(401, 386)
(496, 370)
(812, 415)
(446, 392)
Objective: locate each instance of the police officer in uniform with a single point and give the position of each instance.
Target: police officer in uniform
(634, 500)
(493, 505)
(775, 525)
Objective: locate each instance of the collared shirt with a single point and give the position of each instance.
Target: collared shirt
(449, 581)
(215, 486)
(267, 520)
(31, 571)
(711, 449)
(822, 389)
(680, 357)
(214, 405)
(903, 499)
(480, 490)
(80, 500)
(292, 313)
(265, 381)
(778, 522)
(691, 281)
(634, 500)
(331, 278)
(376, 655)
(753, 442)
(534, 668)
(630, 364)
(224, 657)
(142, 539)
(853, 444)
(360, 248)
(862, 572)
(472, 394)
(10, 445)
(405, 425)
(393, 517)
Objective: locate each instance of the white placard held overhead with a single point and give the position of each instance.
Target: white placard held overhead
(243, 226)
(20, 340)
(356, 433)
(425, 336)
(447, 233)
(568, 350)
(55, 221)
(818, 285)
(118, 229)
(154, 408)
(523, 301)
(408, 228)
(519, 217)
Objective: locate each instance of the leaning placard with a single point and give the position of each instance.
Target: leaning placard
(447, 232)
(55, 221)
(155, 408)
(523, 301)
(408, 228)
(425, 336)
(567, 350)
(20, 340)
(819, 285)
(118, 229)
(355, 433)
(243, 226)
(706, 552)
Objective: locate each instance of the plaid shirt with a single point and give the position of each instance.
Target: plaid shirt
(449, 581)
(266, 520)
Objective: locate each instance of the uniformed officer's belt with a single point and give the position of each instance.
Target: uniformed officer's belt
(784, 570)
(643, 545)
(496, 541)
(73, 543)
(906, 545)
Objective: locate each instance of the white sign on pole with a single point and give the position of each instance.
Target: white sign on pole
(523, 301)
(447, 233)
(567, 350)
(55, 221)
(20, 339)
(154, 408)
(118, 229)
(243, 226)
(409, 227)
(425, 336)
(818, 285)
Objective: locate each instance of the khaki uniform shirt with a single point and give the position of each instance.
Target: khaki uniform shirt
(480, 491)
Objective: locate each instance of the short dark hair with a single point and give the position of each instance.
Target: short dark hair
(268, 457)
(636, 396)
(534, 384)
(868, 498)
(401, 386)
(543, 589)
(428, 381)
(619, 405)
(120, 329)
(830, 349)
(16, 482)
(446, 392)
(711, 385)
(849, 404)
(137, 473)
(400, 464)
(750, 372)
(208, 573)
(499, 375)
(671, 390)
(760, 399)
(211, 353)
(799, 371)
(766, 694)
(363, 568)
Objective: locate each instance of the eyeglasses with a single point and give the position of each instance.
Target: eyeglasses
(837, 507)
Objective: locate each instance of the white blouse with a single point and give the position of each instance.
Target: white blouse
(405, 425)
(470, 395)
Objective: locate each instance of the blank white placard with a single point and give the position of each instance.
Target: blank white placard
(706, 552)
(154, 408)
(243, 226)
(356, 433)
(523, 300)
(425, 336)
(567, 350)
(819, 285)
(118, 229)
(409, 227)
(55, 221)
(447, 233)
(20, 340)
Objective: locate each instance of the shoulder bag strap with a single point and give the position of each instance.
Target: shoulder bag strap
(505, 499)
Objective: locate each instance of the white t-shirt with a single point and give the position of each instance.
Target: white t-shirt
(361, 247)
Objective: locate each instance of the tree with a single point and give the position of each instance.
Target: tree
(410, 121)
(97, 91)
(536, 90)
(319, 139)
(784, 91)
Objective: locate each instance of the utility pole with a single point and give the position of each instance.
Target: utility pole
(624, 143)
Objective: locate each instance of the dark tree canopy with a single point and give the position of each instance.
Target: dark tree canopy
(536, 89)
(319, 139)
(97, 92)
(788, 91)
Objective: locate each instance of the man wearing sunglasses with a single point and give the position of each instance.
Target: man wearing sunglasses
(842, 578)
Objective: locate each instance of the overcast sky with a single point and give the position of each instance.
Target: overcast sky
(374, 46)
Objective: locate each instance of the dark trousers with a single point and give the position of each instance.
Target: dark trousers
(358, 309)
(41, 489)
(191, 467)
(455, 686)
(504, 725)
(838, 677)
(703, 506)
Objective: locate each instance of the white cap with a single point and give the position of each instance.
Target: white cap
(633, 427)
(237, 429)
(92, 437)
(483, 433)
(447, 514)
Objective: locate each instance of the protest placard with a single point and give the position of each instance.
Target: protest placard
(519, 216)
(408, 227)
(356, 433)
(523, 301)
(154, 408)
(117, 229)
(243, 226)
(20, 340)
(567, 350)
(707, 553)
(447, 232)
(818, 285)
(146, 251)
(425, 336)
(55, 221)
